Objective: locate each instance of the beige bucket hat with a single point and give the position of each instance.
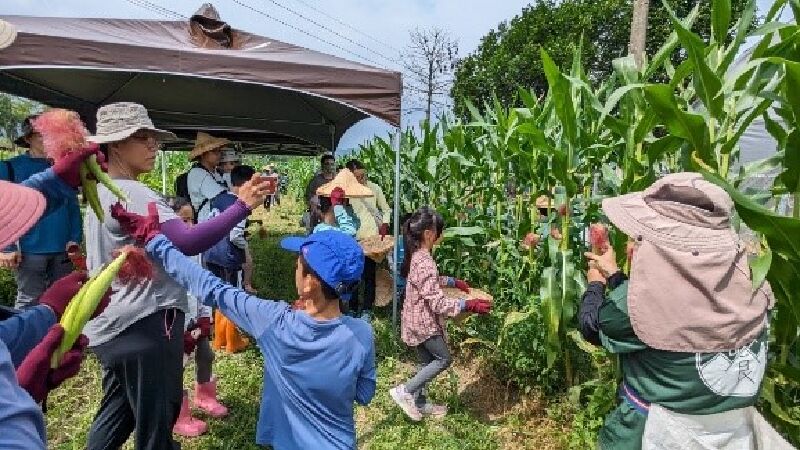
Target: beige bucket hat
(690, 288)
(206, 143)
(348, 182)
(118, 121)
(8, 33)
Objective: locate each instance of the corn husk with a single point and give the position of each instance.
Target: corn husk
(384, 291)
(348, 182)
(473, 293)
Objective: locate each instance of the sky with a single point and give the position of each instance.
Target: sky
(382, 26)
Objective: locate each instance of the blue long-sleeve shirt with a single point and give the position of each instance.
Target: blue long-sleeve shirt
(347, 221)
(314, 370)
(21, 419)
(21, 332)
(61, 221)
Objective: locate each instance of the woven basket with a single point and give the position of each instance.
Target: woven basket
(348, 182)
(384, 293)
(473, 293)
(376, 248)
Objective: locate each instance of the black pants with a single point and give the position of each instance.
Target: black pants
(368, 284)
(142, 384)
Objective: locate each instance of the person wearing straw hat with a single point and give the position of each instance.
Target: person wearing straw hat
(689, 328)
(29, 338)
(40, 257)
(333, 209)
(374, 214)
(139, 338)
(227, 161)
(203, 181)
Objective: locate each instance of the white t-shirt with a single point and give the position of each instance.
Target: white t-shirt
(203, 187)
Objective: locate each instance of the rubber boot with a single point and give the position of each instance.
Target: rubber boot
(220, 325)
(233, 338)
(205, 398)
(188, 426)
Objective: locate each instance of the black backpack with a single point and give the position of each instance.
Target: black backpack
(182, 185)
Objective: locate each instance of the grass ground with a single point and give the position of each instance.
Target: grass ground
(485, 414)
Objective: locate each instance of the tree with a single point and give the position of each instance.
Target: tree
(429, 61)
(639, 31)
(508, 57)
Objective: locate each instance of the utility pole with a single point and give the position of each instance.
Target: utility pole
(639, 31)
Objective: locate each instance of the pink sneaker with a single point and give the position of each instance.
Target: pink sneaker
(188, 426)
(406, 402)
(205, 398)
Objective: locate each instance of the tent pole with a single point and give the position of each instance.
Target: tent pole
(163, 172)
(396, 219)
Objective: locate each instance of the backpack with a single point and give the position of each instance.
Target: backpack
(182, 189)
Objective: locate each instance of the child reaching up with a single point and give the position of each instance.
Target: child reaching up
(425, 311)
(197, 333)
(334, 214)
(317, 362)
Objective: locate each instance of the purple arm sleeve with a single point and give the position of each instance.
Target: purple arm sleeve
(194, 240)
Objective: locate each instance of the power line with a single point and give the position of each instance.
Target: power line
(344, 24)
(286, 24)
(332, 31)
(157, 9)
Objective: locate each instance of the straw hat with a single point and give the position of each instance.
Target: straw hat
(206, 143)
(118, 121)
(230, 156)
(347, 181)
(377, 248)
(7, 34)
(20, 208)
(384, 293)
(683, 238)
(473, 293)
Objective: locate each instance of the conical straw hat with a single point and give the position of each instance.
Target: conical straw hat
(347, 181)
(206, 143)
(376, 248)
(384, 294)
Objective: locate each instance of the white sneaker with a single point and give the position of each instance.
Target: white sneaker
(435, 411)
(406, 402)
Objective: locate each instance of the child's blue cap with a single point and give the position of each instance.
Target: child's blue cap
(334, 256)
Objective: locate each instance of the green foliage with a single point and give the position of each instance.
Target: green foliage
(508, 58)
(13, 110)
(8, 288)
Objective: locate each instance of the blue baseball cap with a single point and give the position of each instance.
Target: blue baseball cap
(334, 256)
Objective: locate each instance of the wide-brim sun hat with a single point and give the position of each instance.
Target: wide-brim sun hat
(348, 182)
(689, 288)
(8, 33)
(206, 143)
(118, 121)
(20, 208)
(680, 211)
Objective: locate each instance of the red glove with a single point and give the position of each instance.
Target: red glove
(383, 230)
(62, 291)
(337, 196)
(204, 323)
(141, 228)
(189, 342)
(478, 306)
(461, 285)
(35, 375)
(68, 168)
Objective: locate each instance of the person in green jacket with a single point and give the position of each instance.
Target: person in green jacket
(690, 331)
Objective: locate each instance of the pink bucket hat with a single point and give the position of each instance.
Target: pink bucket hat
(690, 288)
(20, 208)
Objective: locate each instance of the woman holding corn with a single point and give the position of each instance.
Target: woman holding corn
(139, 338)
(29, 338)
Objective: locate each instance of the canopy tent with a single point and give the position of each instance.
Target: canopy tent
(198, 75)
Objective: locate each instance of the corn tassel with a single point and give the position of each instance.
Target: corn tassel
(104, 179)
(75, 319)
(90, 192)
